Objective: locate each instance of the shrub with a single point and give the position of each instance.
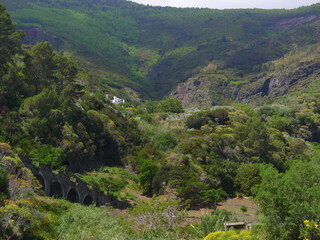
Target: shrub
(243, 209)
(159, 213)
(220, 115)
(287, 199)
(104, 182)
(213, 196)
(170, 104)
(14, 221)
(195, 121)
(247, 177)
(147, 170)
(164, 141)
(48, 155)
(231, 235)
(81, 223)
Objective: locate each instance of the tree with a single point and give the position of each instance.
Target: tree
(258, 142)
(243, 209)
(15, 221)
(247, 177)
(150, 106)
(170, 104)
(10, 45)
(213, 196)
(10, 39)
(42, 65)
(147, 170)
(65, 72)
(287, 199)
(195, 120)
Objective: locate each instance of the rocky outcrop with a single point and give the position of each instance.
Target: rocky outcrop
(287, 23)
(278, 83)
(194, 91)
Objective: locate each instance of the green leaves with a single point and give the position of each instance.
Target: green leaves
(247, 177)
(48, 155)
(170, 104)
(213, 196)
(287, 199)
(147, 170)
(164, 141)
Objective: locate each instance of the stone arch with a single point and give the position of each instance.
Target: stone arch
(88, 200)
(56, 190)
(73, 195)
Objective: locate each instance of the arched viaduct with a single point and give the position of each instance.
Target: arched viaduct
(60, 185)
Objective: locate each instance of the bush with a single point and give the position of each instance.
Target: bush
(15, 221)
(105, 182)
(243, 209)
(231, 235)
(48, 155)
(247, 177)
(213, 196)
(170, 104)
(287, 199)
(164, 141)
(147, 170)
(220, 115)
(81, 223)
(195, 121)
(159, 213)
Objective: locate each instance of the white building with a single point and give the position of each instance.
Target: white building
(117, 100)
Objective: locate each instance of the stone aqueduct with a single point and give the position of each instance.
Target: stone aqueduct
(60, 185)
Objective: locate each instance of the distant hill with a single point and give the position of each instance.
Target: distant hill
(153, 49)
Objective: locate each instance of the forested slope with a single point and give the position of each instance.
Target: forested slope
(158, 157)
(152, 49)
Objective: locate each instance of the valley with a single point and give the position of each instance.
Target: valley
(125, 121)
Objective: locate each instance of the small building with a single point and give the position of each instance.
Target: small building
(117, 100)
(237, 226)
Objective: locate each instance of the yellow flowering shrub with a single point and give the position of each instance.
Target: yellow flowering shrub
(231, 235)
(310, 230)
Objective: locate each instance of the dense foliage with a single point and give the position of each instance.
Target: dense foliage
(52, 113)
(286, 200)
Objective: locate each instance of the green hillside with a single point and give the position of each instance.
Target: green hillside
(152, 49)
(180, 173)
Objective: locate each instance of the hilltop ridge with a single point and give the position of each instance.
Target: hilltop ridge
(153, 49)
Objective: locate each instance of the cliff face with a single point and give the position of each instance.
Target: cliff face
(211, 86)
(284, 76)
(194, 91)
(291, 73)
(292, 22)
